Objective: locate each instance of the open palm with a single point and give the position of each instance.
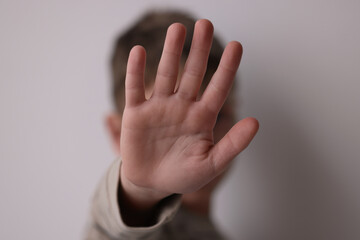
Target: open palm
(167, 140)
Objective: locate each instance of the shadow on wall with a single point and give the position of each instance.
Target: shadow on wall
(304, 196)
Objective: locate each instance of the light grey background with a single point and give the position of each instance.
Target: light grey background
(299, 76)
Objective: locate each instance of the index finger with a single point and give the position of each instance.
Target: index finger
(219, 87)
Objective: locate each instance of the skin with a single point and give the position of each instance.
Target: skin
(170, 143)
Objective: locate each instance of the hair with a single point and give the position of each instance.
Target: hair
(149, 31)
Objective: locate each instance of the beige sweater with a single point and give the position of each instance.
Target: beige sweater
(173, 222)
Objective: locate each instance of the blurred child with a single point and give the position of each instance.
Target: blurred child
(173, 128)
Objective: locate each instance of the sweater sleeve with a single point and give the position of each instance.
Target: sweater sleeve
(106, 221)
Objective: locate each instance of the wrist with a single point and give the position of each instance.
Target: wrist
(137, 197)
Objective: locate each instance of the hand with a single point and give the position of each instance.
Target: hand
(167, 141)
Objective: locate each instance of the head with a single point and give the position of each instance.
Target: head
(150, 32)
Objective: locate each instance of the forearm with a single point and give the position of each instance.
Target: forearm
(108, 212)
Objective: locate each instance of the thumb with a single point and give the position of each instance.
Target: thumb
(234, 142)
